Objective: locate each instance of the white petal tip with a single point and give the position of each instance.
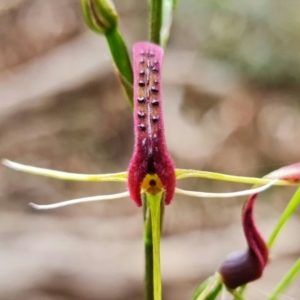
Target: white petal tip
(10, 164)
(35, 206)
(6, 162)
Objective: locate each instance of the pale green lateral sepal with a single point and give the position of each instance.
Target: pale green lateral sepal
(186, 173)
(114, 177)
(154, 204)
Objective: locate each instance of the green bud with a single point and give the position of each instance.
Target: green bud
(100, 15)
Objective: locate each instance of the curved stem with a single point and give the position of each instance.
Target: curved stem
(121, 59)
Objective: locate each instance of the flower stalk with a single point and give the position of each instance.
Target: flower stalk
(148, 246)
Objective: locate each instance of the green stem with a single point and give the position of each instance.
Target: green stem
(155, 21)
(289, 210)
(148, 252)
(121, 59)
(154, 203)
(167, 16)
(209, 289)
(237, 295)
(286, 281)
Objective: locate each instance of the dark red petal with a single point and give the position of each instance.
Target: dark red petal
(150, 154)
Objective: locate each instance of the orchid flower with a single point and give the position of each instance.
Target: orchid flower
(151, 169)
(152, 174)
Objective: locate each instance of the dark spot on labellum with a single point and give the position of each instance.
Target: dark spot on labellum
(142, 52)
(156, 81)
(155, 119)
(155, 136)
(152, 182)
(141, 114)
(155, 62)
(142, 127)
(150, 163)
(142, 61)
(151, 54)
(154, 89)
(155, 102)
(155, 70)
(141, 83)
(142, 72)
(141, 99)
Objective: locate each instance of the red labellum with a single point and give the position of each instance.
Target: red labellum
(151, 167)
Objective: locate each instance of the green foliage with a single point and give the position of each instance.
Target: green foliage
(258, 37)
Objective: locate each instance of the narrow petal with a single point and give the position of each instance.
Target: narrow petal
(225, 195)
(116, 177)
(80, 200)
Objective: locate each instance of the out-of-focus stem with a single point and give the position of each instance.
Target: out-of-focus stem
(286, 281)
(156, 15)
(289, 210)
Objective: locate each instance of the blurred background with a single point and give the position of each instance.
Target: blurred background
(231, 104)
